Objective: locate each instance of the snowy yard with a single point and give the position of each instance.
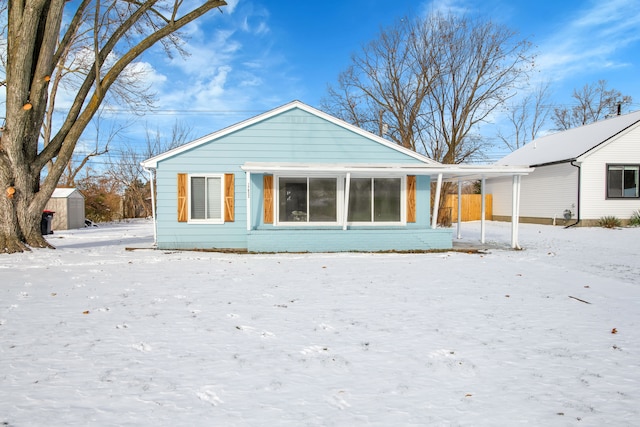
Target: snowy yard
(91, 334)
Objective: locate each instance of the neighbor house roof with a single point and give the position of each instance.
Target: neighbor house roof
(570, 144)
(153, 161)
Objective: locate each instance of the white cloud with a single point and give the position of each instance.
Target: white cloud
(591, 39)
(454, 7)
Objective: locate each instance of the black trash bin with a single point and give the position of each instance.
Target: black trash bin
(45, 223)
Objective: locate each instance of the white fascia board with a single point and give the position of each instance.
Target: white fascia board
(448, 171)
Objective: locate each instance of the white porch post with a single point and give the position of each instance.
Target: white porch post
(515, 211)
(248, 176)
(436, 203)
(483, 213)
(459, 222)
(347, 188)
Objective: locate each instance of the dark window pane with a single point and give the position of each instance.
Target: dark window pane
(630, 182)
(614, 182)
(360, 200)
(386, 199)
(323, 197)
(292, 198)
(197, 198)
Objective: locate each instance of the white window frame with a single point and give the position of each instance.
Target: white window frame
(189, 192)
(340, 202)
(403, 203)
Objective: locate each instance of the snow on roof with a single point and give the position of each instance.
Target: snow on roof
(569, 144)
(62, 192)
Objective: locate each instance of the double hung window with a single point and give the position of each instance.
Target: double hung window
(206, 201)
(622, 181)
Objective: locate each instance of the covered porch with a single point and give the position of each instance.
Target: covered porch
(438, 173)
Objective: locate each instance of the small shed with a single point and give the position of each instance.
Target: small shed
(68, 205)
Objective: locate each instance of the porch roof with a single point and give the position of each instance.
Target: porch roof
(448, 171)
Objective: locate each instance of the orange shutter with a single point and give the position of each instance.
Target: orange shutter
(229, 197)
(267, 190)
(182, 197)
(411, 198)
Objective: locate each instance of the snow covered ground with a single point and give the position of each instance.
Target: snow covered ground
(92, 334)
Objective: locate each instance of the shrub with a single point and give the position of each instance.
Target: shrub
(634, 221)
(609, 222)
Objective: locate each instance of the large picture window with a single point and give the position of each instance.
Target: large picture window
(308, 199)
(375, 200)
(321, 200)
(206, 198)
(622, 181)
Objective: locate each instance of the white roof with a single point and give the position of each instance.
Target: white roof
(570, 144)
(153, 161)
(448, 171)
(62, 193)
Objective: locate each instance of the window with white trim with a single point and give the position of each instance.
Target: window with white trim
(375, 200)
(308, 200)
(320, 200)
(206, 201)
(622, 181)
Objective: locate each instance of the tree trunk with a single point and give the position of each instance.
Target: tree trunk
(34, 48)
(19, 221)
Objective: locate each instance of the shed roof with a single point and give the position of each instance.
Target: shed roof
(570, 144)
(63, 193)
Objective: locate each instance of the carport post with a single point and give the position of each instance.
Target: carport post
(483, 213)
(459, 224)
(515, 211)
(436, 203)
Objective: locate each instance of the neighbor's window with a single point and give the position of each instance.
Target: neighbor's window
(622, 181)
(308, 199)
(206, 198)
(375, 200)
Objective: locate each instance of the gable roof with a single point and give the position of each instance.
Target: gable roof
(63, 193)
(153, 161)
(570, 144)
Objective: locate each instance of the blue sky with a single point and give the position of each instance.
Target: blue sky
(258, 54)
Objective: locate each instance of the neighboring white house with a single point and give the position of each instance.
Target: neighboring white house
(68, 207)
(581, 175)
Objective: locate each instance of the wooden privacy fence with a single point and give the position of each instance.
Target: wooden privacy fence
(471, 207)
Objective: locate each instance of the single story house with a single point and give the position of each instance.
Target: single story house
(295, 179)
(581, 174)
(68, 207)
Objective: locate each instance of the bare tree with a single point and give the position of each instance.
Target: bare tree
(36, 43)
(126, 172)
(384, 90)
(527, 118)
(593, 102)
(129, 91)
(432, 81)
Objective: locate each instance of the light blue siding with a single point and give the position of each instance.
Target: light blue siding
(292, 136)
(338, 240)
